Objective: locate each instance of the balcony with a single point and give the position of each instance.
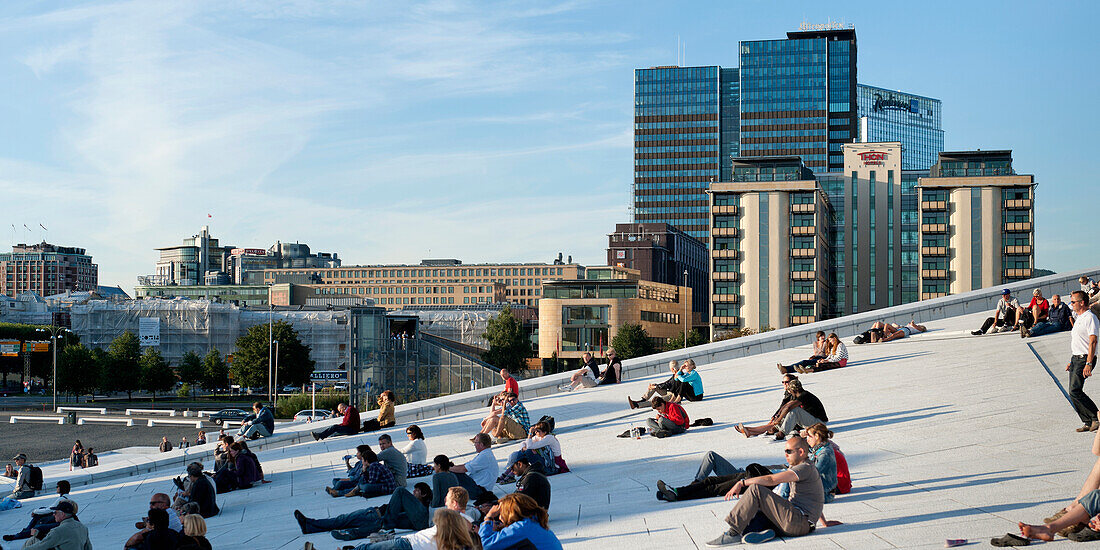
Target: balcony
(930, 295)
(1024, 273)
(804, 297)
(1018, 204)
(803, 275)
(933, 273)
(933, 228)
(1017, 226)
(726, 276)
(733, 321)
(934, 250)
(727, 253)
(723, 231)
(802, 208)
(725, 209)
(803, 252)
(725, 298)
(802, 319)
(803, 230)
(1018, 249)
(933, 205)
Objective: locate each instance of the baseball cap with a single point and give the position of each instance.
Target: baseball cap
(20, 456)
(1006, 291)
(66, 506)
(485, 498)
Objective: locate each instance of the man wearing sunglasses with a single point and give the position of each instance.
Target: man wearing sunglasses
(760, 513)
(1082, 347)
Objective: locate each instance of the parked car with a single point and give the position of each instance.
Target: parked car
(340, 386)
(312, 415)
(291, 389)
(228, 414)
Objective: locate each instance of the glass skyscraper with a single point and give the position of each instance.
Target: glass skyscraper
(798, 97)
(887, 115)
(685, 132)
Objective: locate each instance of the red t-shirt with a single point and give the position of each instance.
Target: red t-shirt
(1043, 306)
(677, 414)
(511, 385)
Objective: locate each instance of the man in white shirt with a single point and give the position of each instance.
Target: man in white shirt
(457, 497)
(1082, 348)
(482, 469)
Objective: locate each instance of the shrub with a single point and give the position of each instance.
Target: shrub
(287, 407)
(184, 391)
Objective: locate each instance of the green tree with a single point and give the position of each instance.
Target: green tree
(632, 341)
(124, 371)
(695, 338)
(509, 346)
(77, 370)
(103, 370)
(250, 366)
(156, 375)
(190, 369)
(215, 371)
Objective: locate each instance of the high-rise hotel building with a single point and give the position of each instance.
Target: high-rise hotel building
(790, 247)
(977, 223)
(914, 120)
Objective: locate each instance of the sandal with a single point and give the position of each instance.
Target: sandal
(1009, 540)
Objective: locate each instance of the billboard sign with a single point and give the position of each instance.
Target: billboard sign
(9, 348)
(149, 331)
(328, 376)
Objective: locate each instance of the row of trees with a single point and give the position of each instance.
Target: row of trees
(124, 366)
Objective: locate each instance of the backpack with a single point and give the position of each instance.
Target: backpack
(35, 478)
(549, 420)
(843, 476)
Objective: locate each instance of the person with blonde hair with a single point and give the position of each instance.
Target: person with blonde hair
(194, 533)
(685, 383)
(515, 521)
(836, 357)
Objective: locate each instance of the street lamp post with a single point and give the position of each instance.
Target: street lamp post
(687, 317)
(270, 339)
(53, 348)
(276, 373)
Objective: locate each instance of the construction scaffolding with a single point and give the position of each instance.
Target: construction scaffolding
(176, 326)
(466, 327)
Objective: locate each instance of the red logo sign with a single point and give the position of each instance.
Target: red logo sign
(872, 157)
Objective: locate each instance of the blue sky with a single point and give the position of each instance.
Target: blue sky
(390, 132)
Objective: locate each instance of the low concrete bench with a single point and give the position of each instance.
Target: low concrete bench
(100, 410)
(124, 421)
(226, 423)
(169, 412)
(58, 419)
(166, 422)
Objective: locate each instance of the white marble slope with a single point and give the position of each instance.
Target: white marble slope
(948, 436)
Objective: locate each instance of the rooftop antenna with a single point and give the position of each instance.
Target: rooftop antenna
(677, 50)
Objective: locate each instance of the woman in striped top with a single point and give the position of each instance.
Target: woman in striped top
(837, 357)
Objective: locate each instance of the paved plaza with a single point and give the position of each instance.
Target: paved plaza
(947, 436)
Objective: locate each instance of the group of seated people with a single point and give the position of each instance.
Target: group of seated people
(590, 376)
(799, 407)
(235, 466)
(165, 528)
(518, 517)
(1037, 318)
(829, 353)
(349, 418)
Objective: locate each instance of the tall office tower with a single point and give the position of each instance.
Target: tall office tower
(977, 223)
(770, 254)
(798, 97)
(685, 132)
(914, 120)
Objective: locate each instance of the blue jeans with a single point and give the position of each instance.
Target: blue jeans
(1045, 327)
(22, 494)
(397, 543)
(42, 523)
(253, 429)
(533, 458)
(367, 518)
(342, 486)
(368, 490)
(404, 511)
(714, 464)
